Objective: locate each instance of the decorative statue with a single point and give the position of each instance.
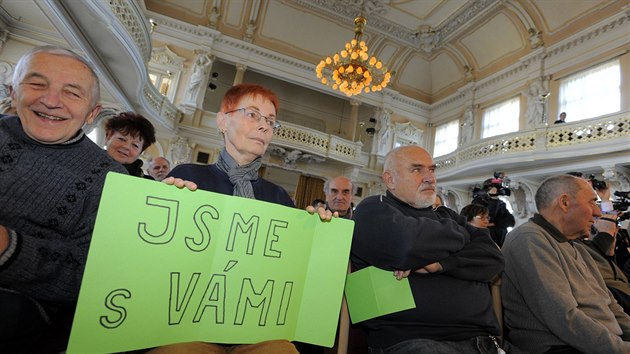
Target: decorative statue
(201, 68)
(536, 97)
(385, 133)
(468, 122)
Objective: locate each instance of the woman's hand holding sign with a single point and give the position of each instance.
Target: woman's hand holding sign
(180, 183)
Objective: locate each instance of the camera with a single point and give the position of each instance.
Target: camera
(621, 194)
(500, 181)
(621, 204)
(597, 184)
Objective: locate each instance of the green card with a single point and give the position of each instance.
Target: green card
(373, 292)
(168, 265)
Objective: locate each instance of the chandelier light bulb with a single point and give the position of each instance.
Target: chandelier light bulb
(352, 70)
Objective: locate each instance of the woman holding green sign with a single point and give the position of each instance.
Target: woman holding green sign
(247, 121)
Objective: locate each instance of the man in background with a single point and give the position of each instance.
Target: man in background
(339, 191)
(159, 167)
(561, 118)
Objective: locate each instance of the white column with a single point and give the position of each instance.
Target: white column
(354, 117)
(240, 71)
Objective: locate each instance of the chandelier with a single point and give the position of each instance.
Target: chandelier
(352, 70)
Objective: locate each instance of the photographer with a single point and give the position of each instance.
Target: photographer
(622, 248)
(500, 217)
(618, 207)
(602, 243)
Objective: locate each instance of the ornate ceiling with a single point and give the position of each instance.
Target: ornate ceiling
(433, 47)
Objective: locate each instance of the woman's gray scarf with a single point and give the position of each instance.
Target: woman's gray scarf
(240, 176)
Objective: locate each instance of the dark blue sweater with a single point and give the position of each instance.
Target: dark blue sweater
(210, 178)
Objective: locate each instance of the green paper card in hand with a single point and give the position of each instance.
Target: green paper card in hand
(168, 265)
(373, 292)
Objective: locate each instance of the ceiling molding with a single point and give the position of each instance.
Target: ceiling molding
(464, 18)
(344, 12)
(228, 49)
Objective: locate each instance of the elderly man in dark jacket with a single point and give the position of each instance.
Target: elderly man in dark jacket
(449, 264)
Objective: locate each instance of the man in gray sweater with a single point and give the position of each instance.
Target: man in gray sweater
(554, 298)
(51, 179)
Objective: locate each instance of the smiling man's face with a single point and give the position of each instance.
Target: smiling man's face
(53, 98)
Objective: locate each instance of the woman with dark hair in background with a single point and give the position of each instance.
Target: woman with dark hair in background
(127, 135)
(476, 215)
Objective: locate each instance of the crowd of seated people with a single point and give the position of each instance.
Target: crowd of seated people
(562, 290)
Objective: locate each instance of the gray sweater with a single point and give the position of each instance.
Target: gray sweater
(553, 294)
(49, 196)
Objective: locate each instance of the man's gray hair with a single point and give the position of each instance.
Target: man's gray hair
(20, 67)
(329, 179)
(391, 158)
(159, 157)
(552, 187)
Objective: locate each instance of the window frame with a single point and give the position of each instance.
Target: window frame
(580, 106)
(165, 65)
(498, 127)
(448, 127)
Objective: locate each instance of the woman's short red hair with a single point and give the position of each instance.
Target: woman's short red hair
(236, 92)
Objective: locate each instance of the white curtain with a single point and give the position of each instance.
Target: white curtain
(446, 138)
(501, 118)
(591, 93)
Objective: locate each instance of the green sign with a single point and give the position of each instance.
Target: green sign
(373, 292)
(168, 265)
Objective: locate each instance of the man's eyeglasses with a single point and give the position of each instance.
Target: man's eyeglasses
(256, 117)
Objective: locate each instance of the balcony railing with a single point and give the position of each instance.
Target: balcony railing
(613, 131)
(166, 112)
(601, 129)
(319, 143)
(129, 14)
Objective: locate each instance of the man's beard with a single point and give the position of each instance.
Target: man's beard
(425, 202)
